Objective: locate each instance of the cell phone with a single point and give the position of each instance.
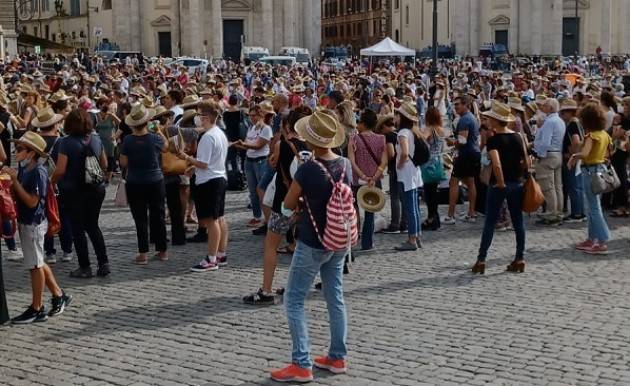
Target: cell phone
(152, 126)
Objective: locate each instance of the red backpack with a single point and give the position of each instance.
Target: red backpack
(52, 211)
(340, 232)
(8, 209)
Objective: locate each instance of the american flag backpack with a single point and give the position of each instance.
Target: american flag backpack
(340, 232)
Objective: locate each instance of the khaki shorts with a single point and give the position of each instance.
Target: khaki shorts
(32, 241)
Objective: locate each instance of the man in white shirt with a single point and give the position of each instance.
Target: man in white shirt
(210, 184)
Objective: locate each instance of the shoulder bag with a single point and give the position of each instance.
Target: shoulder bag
(172, 165)
(533, 196)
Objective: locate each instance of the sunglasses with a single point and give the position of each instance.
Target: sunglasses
(19, 149)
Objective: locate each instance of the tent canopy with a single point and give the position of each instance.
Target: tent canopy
(387, 47)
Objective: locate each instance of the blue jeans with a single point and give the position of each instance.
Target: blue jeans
(575, 189)
(7, 229)
(513, 193)
(254, 172)
(367, 232)
(411, 209)
(597, 227)
(306, 263)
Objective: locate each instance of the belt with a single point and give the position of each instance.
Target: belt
(257, 159)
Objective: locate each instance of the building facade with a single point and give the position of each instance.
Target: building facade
(8, 35)
(355, 23)
(412, 22)
(542, 27)
(201, 28)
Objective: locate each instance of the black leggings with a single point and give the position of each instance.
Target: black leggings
(176, 213)
(149, 198)
(432, 199)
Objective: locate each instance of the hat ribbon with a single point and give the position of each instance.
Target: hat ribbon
(318, 137)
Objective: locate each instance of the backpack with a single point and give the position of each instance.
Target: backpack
(340, 232)
(93, 173)
(52, 211)
(421, 153)
(8, 208)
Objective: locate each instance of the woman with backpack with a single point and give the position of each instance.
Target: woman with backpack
(324, 184)
(81, 154)
(409, 176)
(433, 173)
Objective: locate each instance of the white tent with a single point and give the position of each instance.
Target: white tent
(387, 47)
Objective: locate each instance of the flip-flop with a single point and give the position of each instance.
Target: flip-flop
(285, 251)
(140, 261)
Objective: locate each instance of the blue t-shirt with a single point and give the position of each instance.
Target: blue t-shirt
(316, 188)
(34, 181)
(467, 122)
(142, 152)
(76, 149)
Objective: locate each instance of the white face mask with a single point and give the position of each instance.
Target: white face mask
(197, 121)
(24, 163)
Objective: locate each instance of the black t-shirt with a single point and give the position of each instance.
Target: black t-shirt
(232, 120)
(391, 138)
(283, 170)
(75, 148)
(572, 129)
(316, 189)
(510, 148)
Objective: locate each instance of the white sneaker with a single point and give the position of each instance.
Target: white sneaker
(66, 257)
(448, 220)
(468, 218)
(14, 255)
(50, 259)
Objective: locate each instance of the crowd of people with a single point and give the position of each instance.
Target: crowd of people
(311, 144)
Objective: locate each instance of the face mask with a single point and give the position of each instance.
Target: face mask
(24, 163)
(197, 121)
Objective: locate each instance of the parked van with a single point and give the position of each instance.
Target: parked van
(120, 56)
(301, 55)
(253, 53)
(281, 60)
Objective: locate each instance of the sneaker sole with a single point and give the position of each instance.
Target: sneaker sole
(204, 269)
(294, 379)
(63, 308)
(334, 370)
(595, 252)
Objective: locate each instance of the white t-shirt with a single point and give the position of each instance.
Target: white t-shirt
(212, 150)
(255, 132)
(409, 174)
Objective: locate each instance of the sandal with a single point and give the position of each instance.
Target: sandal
(141, 260)
(163, 257)
(619, 213)
(285, 250)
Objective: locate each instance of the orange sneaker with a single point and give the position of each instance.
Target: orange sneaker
(335, 366)
(292, 373)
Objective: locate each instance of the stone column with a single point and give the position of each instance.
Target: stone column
(624, 14)
(217, 29)
(307, 30)
(606, 32)
(121, 15)
(195, 14)
(555, 32)
(461, 27)
(513, 31)
(175, 28)
(267, 24)
(537, 27)
(289, 23)
(474, 28)
(135, 26)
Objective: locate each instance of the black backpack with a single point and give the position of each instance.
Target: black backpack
(421, 153)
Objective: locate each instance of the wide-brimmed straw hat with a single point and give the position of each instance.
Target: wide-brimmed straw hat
(33, 141)
(568, 104)
(139, 115)
(500, 112)
(161, 111)
(45, 118)
(372, 199)
(266, 108)
(381, 121)
(190, 101)
(187, 118)
(408, 110)
(321, 129)
(516, 104)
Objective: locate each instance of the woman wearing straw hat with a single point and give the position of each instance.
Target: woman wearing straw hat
(507, 154)
(322, 132)
(573, 185)
(140, 154)
(409, 176)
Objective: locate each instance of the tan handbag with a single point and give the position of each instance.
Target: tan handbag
(172, 165)
(533, 197)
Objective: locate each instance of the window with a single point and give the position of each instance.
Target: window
(35, 31)
(45, 7)
(359, 28)
(397, 34)
(107, 4)
(407, 15)
(24, 30)
(397, 4)
(75, 7)
(47, 33)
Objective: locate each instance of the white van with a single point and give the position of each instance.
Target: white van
(253, 53)
(281, 60)
(192, 64)
(301, 55)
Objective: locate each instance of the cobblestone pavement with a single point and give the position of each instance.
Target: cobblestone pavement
(414, 318)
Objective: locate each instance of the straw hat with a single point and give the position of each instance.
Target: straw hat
(532, 106)
(187, 118)
(321, 129)
(33, 141)
(190, 101)
(500, 112)
(372, 199)
(139, 115)
(408, 110)
(160, 111)
(568, 104)
(540, 99)
(266, 108)
(516, 104)
(148, 102)
(206, 91)
(298, 88)
(381, 121)
(45, 118)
